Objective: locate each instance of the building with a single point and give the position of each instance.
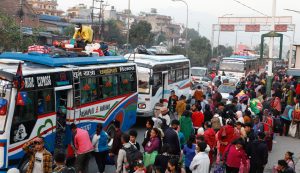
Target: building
(162, 24)
(110, 14)
(47, 7)
(20, 12)
(79, 11)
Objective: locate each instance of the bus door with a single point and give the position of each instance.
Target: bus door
(165, 84)
(62, 99)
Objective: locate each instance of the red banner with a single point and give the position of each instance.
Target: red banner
(281, 28)
(252, 28)
(228, 28)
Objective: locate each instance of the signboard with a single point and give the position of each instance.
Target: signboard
(281, 28)
(228, 28)
(252, 28)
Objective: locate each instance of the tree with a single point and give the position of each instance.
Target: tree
(266, 49)
(201, 48)
(178, 50)
(192, 34)
(112, 32)
(222, 50)
(199, 51)
(12, 39)
(140, 34)
(161, 38)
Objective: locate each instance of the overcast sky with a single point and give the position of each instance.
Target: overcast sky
(206, 13)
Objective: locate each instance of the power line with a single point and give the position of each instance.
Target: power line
(250, 8)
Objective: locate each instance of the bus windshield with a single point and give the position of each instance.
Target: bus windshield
(232, 66)
(144, 83)
(4, 102)
(198, 72)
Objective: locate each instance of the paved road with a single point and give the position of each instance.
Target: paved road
(282, 145)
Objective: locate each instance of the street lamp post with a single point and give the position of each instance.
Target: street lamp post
(187, 23)
(128, 25)
(220, 33)
(270, 63)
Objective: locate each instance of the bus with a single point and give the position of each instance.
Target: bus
(238, 66)
(56, 92)
(157, 76)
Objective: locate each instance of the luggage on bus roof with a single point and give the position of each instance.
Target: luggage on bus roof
(48, 60)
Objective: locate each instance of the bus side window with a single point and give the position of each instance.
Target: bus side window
(172, 77)
(110, 86)
(179, 75)
(157, 83)
(186, 73)
(45, 101)
(125, 83)
(88, 90)
(26, 112)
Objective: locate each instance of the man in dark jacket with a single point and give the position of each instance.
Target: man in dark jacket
(171, 137)
(117, 145)
(149, 126)
(251, 136)
(258, 154)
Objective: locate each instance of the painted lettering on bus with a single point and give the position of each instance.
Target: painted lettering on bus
(125, 69)
(108, 71)
(104, 107)
(43, 81)
(77, 74)
(29, 82)
(89, 73)
(86, 127)
(87, 112)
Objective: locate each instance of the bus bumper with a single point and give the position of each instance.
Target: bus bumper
(144, 113)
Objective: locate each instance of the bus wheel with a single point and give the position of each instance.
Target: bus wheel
(24, 165)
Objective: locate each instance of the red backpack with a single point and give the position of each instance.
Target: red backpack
(296, 114)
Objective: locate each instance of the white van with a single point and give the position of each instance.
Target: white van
(198, 73)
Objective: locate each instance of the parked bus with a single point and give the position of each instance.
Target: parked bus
(56, 93)
(238, 66)
(157, 76)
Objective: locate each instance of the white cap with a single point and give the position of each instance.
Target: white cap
(13, 170)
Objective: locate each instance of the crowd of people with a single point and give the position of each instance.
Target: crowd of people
(200, 134)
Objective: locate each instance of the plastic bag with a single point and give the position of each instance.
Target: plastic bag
(149, 158)
(293, 129)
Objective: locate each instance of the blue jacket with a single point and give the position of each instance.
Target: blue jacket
(100, 142)
(189, 154)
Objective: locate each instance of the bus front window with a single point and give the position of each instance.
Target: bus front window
(144, 83)
(232, 66)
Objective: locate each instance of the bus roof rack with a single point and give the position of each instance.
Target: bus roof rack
(46, 59)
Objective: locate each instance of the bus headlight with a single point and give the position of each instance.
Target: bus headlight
(142, 106)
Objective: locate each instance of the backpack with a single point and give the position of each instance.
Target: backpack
(296, 114)
(133, 155)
